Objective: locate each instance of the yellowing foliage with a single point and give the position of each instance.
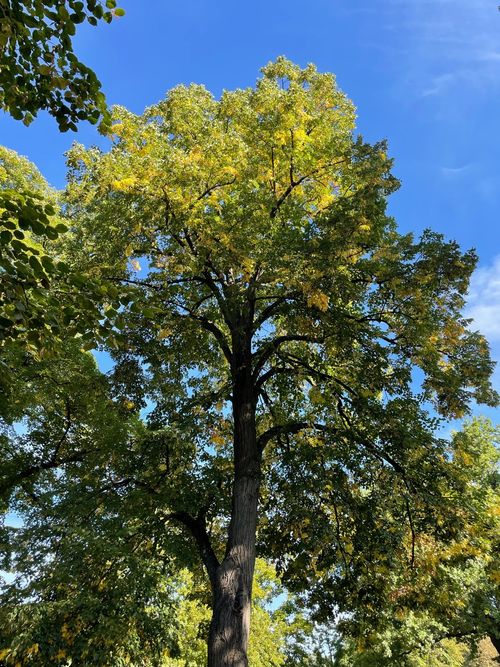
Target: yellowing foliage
(124, 185)
(318, 300)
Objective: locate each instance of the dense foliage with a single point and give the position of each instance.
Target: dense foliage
(275, 342)
(42, 299)
(38, 67)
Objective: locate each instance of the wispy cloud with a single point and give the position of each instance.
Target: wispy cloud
(453, 172)
(448, 44)
(438, 84)
(484, 301)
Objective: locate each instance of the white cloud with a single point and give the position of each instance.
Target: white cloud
(438, 84)
(484, 301)
(451, 172)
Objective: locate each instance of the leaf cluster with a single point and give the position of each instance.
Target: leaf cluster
(39, 69)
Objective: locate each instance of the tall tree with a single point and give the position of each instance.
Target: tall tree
(282, 315)
(288, 339)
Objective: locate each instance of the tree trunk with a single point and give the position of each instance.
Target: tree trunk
(495, 641)
(232, 583)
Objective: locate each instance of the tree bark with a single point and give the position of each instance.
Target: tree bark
(232, 584)
(495, 641)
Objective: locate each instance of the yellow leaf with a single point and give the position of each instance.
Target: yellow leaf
(315, 396)
(33, 650)
(164, 333)
(124, 185)
(217, 439)
(318, 299)
(495, 576)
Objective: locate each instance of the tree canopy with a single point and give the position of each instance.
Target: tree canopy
(282, 358)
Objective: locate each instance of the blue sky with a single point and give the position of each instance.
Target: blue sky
(425, 74)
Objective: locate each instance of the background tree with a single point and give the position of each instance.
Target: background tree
(38, 67)
(439, 608)
(86, 582)
(28, 221)
(42, 299)
(277, 325)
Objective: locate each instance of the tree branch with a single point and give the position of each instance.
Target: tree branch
(295, 183)
(281, 429)
(197, 528)
(8, 484)
(269, 348)
(269, 310)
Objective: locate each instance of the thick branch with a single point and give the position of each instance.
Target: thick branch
(219, 297)
(198, 530)
(209, 326)
(272, 346)
(274, 370)
(281, 429)
(270, 309)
